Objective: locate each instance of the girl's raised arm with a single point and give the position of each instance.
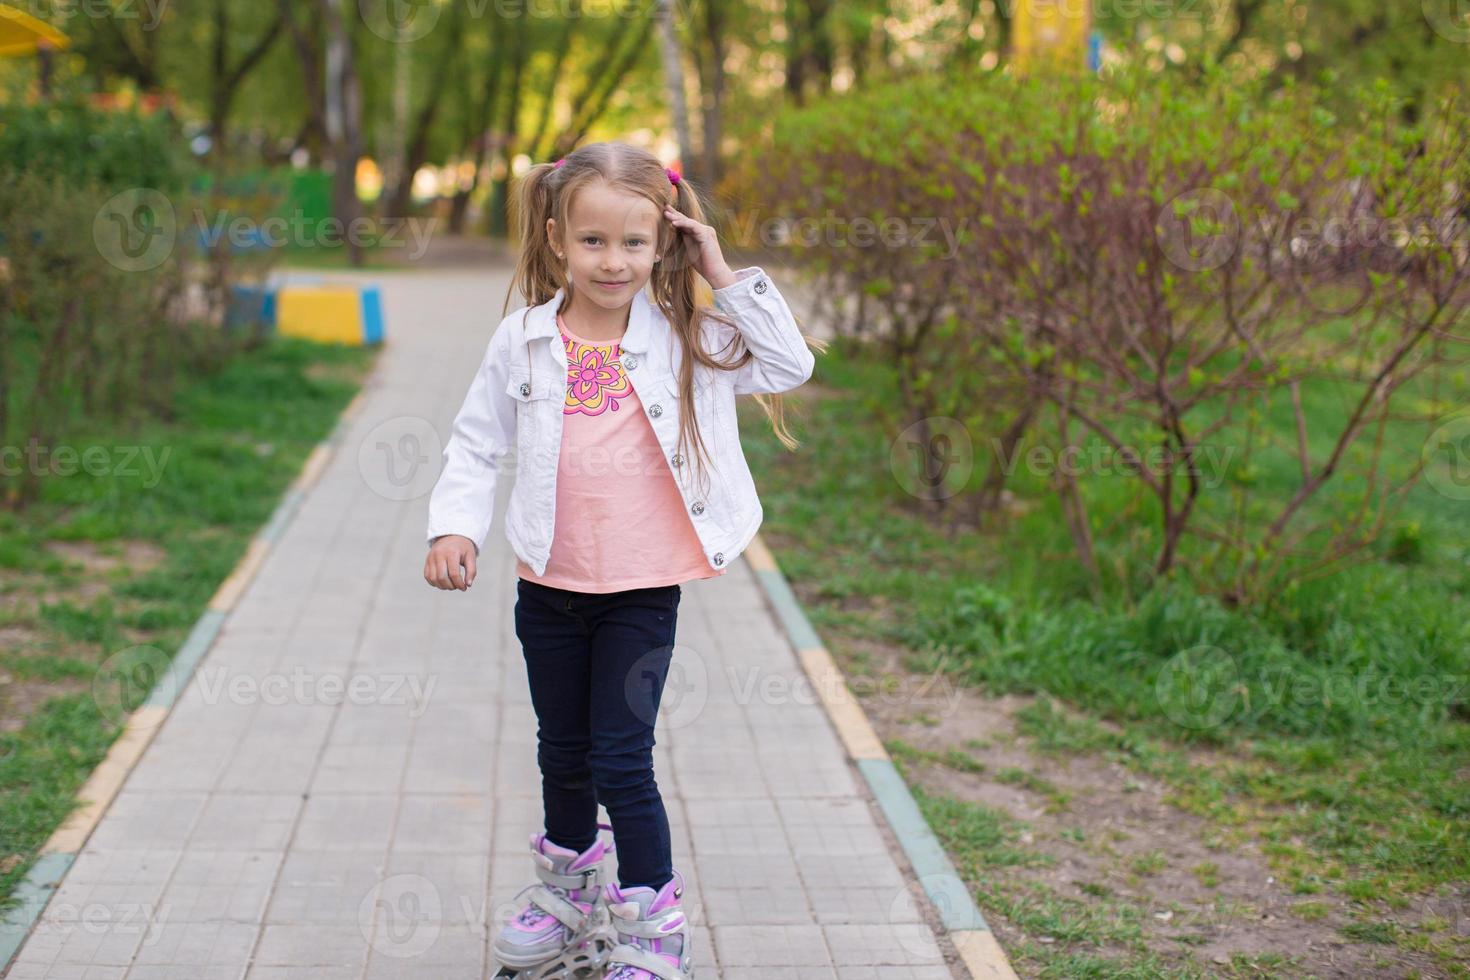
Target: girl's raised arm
(780, 358)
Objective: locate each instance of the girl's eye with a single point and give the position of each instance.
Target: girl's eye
(589, 240)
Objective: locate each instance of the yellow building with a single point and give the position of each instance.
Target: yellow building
(1050, 31)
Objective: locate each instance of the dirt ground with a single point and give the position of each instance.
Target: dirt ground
(1113, 838)
(21, 597)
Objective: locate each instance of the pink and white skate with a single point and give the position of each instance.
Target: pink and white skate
(560, 930)
(652, 930)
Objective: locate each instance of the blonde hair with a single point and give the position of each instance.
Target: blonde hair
(547, 191)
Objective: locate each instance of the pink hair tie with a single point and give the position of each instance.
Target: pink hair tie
(673, 175)
(560, 162)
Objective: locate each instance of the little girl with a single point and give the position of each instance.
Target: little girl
(610, 399)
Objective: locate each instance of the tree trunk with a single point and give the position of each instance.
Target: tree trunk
(496, 217)
(475, 138)
(673, 61)
(308, 44)
(548, 102)
(416, 148)
(226, 81)
(714, 95)
(819, 27)
(344, 125)
(795, 53)
(1002, 456)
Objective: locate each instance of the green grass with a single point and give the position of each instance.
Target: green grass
(1311, 744)
(236, 440)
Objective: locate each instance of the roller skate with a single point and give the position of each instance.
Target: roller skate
(561, 930)
(652, 931)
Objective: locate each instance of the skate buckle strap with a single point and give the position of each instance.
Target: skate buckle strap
(583, 879)
(642, 958)
(566, 912)
(645, 928)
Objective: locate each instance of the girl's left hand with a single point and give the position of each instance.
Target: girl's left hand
(699, 244)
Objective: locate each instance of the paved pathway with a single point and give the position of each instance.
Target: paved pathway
(284, 828)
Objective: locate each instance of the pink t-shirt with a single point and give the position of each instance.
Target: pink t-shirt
(620, 520)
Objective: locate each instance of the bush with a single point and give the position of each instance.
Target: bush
(73, 141)
(1164, 275)
(105, 296)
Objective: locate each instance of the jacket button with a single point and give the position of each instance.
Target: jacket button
(719, 558)
(760, 285)
(698, 507)
(655, 410)
(678, 459)
(631, 361)
(525, 390)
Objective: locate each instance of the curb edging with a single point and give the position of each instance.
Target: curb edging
(59, 852)
(978, 948)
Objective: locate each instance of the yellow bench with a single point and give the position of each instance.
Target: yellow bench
(341, 314)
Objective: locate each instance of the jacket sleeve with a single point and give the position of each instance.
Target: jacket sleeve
(484, 431)
(780, 357)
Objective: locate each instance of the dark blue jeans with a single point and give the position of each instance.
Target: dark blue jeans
(597, 663)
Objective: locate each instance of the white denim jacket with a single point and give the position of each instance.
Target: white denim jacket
(516, 399)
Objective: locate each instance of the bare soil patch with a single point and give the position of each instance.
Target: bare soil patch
(94, 571)
(1199, 890)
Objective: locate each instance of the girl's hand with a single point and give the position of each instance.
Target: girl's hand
(442, 569)
(700, 245)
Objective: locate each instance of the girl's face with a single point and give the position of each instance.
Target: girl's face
(609, 244)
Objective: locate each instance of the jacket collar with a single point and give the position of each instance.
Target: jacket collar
(541, 321)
